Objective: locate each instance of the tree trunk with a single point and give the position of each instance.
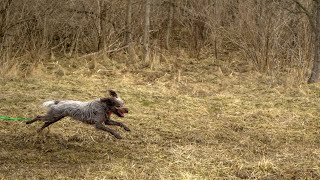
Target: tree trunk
(169, 26)
(101, 24)
(146, 32)
(129, 31)
(4, 21)
(316, 61)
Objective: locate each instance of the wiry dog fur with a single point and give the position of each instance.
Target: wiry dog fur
(95, 112)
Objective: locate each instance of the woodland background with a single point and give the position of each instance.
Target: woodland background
(271, 36)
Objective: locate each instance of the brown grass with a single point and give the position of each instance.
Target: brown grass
(199, 120)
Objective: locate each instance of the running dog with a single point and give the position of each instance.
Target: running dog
(95, 112)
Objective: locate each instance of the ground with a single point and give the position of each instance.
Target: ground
(198, 120)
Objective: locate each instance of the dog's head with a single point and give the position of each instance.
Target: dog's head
(114, 104)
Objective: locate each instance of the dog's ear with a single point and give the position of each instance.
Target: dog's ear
(108, 101)
(113, 93)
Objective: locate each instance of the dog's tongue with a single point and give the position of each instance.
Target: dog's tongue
(109, 113)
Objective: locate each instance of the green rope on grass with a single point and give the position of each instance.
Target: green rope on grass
(14, 119)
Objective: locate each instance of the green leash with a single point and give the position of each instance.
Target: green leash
(14, 119)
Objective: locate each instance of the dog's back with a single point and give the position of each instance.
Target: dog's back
(65, 103)
(83, 111)
(48, 104)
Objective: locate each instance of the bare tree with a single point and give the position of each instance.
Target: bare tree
(129, 31)
(314, 21)
(3, 20)
(169, 25)
(146, 34)
(316, 61)
(101, 24)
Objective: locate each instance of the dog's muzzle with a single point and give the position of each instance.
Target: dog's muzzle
(121, 111)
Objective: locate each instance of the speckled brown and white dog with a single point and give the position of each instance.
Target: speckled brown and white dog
(95, 112)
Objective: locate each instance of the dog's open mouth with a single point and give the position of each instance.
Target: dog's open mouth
(121, 111)
(120, 114)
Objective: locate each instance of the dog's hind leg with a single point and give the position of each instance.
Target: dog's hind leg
(36, 119)
(115, 123)
(50, 121)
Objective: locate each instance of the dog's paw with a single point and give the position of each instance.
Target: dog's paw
(126, 128)
(29, 122)
(117, 136)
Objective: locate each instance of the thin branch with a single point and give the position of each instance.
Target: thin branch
(307, 13)
(18, 22)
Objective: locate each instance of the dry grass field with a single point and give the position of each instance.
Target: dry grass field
(200, 121)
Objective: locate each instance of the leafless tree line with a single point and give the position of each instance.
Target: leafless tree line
(270, 34)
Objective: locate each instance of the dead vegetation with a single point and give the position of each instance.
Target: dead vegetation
(215, 88)
(200, 120)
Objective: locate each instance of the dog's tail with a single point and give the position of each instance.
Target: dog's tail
(49, 104)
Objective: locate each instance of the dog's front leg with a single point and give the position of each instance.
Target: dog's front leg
(101, 126)
(112, 122)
